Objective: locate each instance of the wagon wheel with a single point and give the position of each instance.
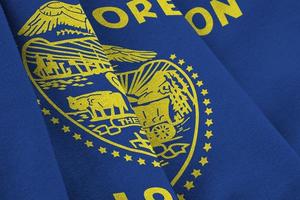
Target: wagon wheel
(162, 132)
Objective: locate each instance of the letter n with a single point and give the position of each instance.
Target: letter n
(221, 9)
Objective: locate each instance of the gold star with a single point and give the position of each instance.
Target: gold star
(207, 147)
(206, 101)
(38, 102)
(204, 92)
(189, 68)
(181, 62)
(208, 111)
(209, 122)
(46, 111)
(203, 161)
(141, 161)
(208, 134)
(196, 173)
(66, 129)
(102, 150)
(55, 120)
(89, 143)
(173, 56)
(189, 185)
(115, 154)
(199, 83)
(128, 158)
(77, 136)
(195, 75)
(155, 163)
(180, 196)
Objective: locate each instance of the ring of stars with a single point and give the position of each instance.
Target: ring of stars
(208, 111)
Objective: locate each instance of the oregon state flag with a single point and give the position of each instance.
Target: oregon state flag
(146, 112)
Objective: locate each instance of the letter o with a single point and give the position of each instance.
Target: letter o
(123, 17)
(149, 193)
(207, 17)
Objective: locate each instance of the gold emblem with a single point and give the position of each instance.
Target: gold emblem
(151, 110)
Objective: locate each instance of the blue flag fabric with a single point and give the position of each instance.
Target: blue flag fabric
(99, 145)
(258, 43)
(231, 150)
(28, 167)
(150, 113)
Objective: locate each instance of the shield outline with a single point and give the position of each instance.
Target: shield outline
(196, 106)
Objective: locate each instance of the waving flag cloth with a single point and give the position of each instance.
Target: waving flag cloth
(213, 143)
(258, 42)
(28, 167)
(100, 147)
